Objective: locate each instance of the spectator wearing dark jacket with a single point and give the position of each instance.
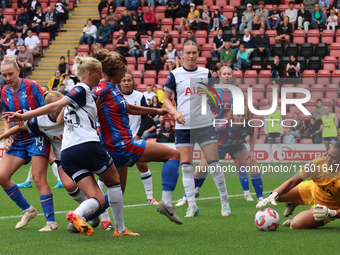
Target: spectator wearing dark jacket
(125, 21)
(277, 68)
(285, 31)
(248, 41)
(303, 18)
(235, 21)
(274, 18)
(106, 3)
(23, 18)
(103, 33)
(262, 44)
(61, 10)
(153, 58)
(50, 22)
(32, 7)
(205, 18)
(37, 23)
(167, 134)
(172, 8)
(138, 20)
(5, 27)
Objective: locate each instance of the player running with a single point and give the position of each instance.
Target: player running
(23, 95)
(192, 126)
(322, 192)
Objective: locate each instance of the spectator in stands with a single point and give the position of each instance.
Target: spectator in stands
(248, 18)
(112, 18)
(218, 44)
(150, 128)
(319, 111)
(148, 94)
(314, 130)
(153, 58)
(12, 51)
(125, 21)
(32, 7)
(261, 15)
(235, 40)
(205, 18)
(61, 10)
(150, 21)
(318, 18)
(159, 93)
(227, 57)
(38, 19)
(191, 20)
(292, 14)
(148, 43)
(63, 67)
(136, 46)
(165, 41)
(248, 41)
(155, 104)
(89, 33)
(184, 8)
(235, 21)
(6, 41)
(284, 31)
(289, 138)
(336, 6)
(262, 44)
(274, 18)
(32, 43)
(215, 78)
(218, 20)
(332, 20)
(50, 22)
(172, 8)
(329, 127)
(160, 125)
(62, 90)
(121, 42)
(242, 59)
(298, 129)
(167, 134)
(179, 59)
(23, 3)
(190, 37)
(162, 2)
(277, 68)
(95, 47)
(68, 82)
(24, 31)
(325, 6)
(293, 68)
(303, 18)
(104, 32)
(23, 18)
(170, 56)
(119, 3)
(132, 5)
(138, 20)
(106, 3)
(55, 80)
(25, 60)
(5, 27)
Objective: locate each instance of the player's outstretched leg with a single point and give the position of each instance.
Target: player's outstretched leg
(146, 177)
(54, 167)
(105, 217)
(243, 177)
(305, 220)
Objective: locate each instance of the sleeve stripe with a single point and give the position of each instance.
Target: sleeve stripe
(169, 90)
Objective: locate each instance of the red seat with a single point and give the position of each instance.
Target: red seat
(150, 77)
(289, 94)
(162, 76)
(175, 37)
(131, 60)
(238, 75)
(215, 7)
(308, 77)
(250, 77)
(323, 77)
(283, 7)
(329, 63)
(258, 93)
(337, 36)
(265, 76)
(306, 141)
(120, 9)
(255, 32)
(317, 90)
(201, 61)
(269, 7)
(140, 64)
(313, 36)
(208, 2)
(272, 35)
(9, 11)
(211, 37)
(332, 90)
(235, 2)
(336, 77)
(9, 17)
(328, 101)
(141, 87)
(160, 12)
(137, 75)
(201, 37)
(44, 38)
(83, 49)
(301, 95)
(334, 50)
(263, 103)
(177, 23)
(206, 51)
(327, 36)
(269, 90)
(299, 36)
(167, 23)
(221, 3)
(131, 34)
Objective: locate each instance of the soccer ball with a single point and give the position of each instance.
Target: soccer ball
(267, 219)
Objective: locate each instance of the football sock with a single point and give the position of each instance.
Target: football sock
(167, 197)
(270, 151)
(101, 184)
(47, 206)
(218, 176)
(15, 194)
(100, 211)
(54, 167)
(169, 179)
(246, 192)
(279, 151)
(147, 182)
(87, 207)
(243, 176)
(116, 203)
(29, 176)
(257, 183)
(105, 214)
(188, 183)
(78, 195)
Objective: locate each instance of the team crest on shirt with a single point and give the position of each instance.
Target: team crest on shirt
(24, 95)
(98, 89)
(139, 142)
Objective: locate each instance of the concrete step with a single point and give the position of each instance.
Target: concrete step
(86, 13)
(61, 41)
(46, 64)
(62, 47)
(41, 76)
(50, 60)
(89, 4)
(70, 36)
(45, 68)
(60, 52)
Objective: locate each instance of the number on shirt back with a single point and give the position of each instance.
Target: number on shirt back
(39, 141)
(72, 119)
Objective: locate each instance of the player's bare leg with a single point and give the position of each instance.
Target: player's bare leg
(305, 220)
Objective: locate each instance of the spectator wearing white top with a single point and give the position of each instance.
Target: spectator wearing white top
(12, 51)
(292, 14)
(170, 57)
(69, 83)
(148, 94)
(32, 42)
(148, 43)
(332, 21)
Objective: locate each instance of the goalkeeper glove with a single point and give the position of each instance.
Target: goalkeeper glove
(270, 200)
(321, 212)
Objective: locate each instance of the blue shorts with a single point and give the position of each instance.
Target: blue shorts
(129, 154)
(231, 150)
(273, 136)
(39, 146)
(330, 139)
(84, 160)
(188, 137)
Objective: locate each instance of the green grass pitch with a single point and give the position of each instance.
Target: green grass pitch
(209, 233)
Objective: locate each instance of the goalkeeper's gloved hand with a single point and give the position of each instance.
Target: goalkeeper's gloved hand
(321, 212)
(270, 200)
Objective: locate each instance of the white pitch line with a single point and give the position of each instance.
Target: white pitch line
(136, 205)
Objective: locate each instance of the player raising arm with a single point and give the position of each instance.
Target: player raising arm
(323, 189)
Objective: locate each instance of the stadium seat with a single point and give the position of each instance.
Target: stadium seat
(258, 93)
(250, 77)
(269, 63)
(315, 63)
(131, 34)
(208, 2)
(201, 62)
(256, 63)
(205, 51)
(283, 7)
(299, 37)
(120, 9)
(160, 12)
(303, 86)
(334, 50)
(226, 35)
(167, 23)
(331, 90)
(313, 36)
(140, 63)
(306, 49)
(269, 90)
(321, 50)
(265, 77)
(269, 7)
(306, 141)
(83, 49)
(327, 101)
(317, 90)
(221, 3)
(238, 75)
(303, 63)
(244, 88)
(150, 77)
(278, 50)
(235, 3)
(131, 60)
(285, 60)
(289, 94)
(292, 49)
(255, 32)
(323, 77)
(336, 77)
(175, 37)
(44, 38)
(215, 7)
(9, 17)
(327, 36)
(177, 23)
(162, 76)
(212, 36)
(272, 35)
(201, 37)
(228, 11)
(308, 77)
(263, 103)
(329, 63)
(10, 12)
(337, 36)
(137, 75)
(141, 87)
